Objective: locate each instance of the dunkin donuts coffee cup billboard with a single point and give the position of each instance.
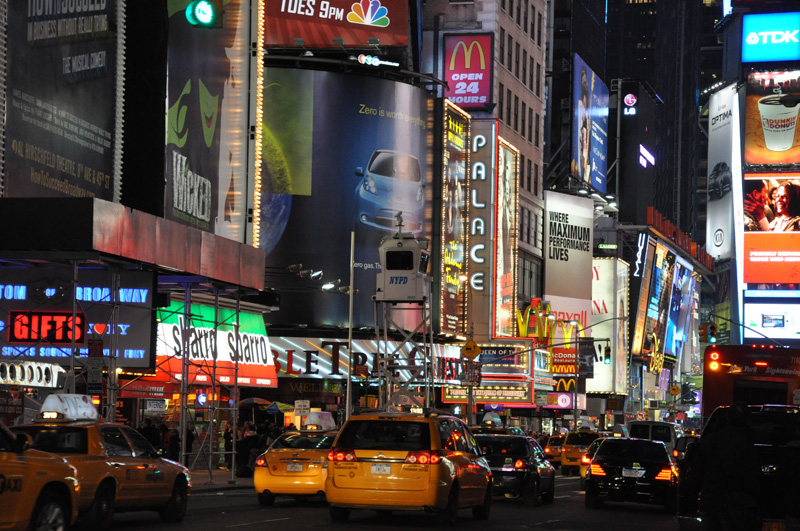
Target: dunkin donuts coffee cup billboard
(771, 110)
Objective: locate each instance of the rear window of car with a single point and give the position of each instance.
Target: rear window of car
(774, 428)
(304, 442)
(555, 441)
(385, 435)
(628, 450)
(581, 438)
(639, 431)
(512, 447)
(61, 440)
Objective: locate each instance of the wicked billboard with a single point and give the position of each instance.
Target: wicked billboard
(339, 154)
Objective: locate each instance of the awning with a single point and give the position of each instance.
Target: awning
(144, 389)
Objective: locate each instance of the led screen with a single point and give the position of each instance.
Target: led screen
(772, 314)
(771, 107)
(505, 240)
(339, 154)
(770, 37)
(589, 126)
(468, 69)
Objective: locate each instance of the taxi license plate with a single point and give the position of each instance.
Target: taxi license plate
(381, 468)
(294, 467)
(632, 473)
(773, 526)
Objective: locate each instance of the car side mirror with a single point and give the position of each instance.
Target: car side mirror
(359, 171)
(23, 442)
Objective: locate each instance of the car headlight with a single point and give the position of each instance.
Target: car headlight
(369, 185)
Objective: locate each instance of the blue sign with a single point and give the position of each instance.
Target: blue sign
(771, 37)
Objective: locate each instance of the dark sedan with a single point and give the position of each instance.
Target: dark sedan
(519, 468)
(632, 470)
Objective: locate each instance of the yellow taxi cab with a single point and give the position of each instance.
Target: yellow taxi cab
(118, 469)
(552, 449)
(407, 462)
(295, 465)
(575, 445)
(38, 490)
(586, 458)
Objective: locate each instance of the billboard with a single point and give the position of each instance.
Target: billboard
(454, 196)
(468, 68)
(568, 245)
(339, 154)
(37, 321)
(771, 229)
(222, 345)
(610, 285)
(505, 240)
(206, 140)
(480, 244)
(719, 210)
(771, 107)
(322, 24)
(60, 113)
(769, 37)
(772, 314)
(589, 126)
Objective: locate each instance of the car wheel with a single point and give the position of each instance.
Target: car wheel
(49, 514)
(450, 514)
(266, 499)
(550, 495)
(339, 514)
(591, 501)
(481, 512)
(101, 513)
(175, 509)
(532, 493)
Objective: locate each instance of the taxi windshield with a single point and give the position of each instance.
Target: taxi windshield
(301, 441)
(59, 440)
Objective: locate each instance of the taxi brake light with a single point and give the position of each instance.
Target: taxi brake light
(519, 464)
(423, 457)
(548, 450)
(664, 475)
(261, 461)
(596, 470)
(342, 455)
(674, 453)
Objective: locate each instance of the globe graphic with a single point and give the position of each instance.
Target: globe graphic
(275, 209)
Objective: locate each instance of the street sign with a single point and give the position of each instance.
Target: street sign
(470, 350)
(675, 390)
(302, 407)
(641, 415)
(362, 370)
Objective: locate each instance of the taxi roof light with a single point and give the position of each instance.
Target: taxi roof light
(67, 407)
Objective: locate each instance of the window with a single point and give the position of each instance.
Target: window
(516, 62)
(530, 75)
(502, 43)
(516, 113)
(538, 80)
(141, 446)
(530, 124)
(525, 19)
(529, 175)
(509, 57)
(535, 230)
(508, 106)
(522, 126)
(500, 103)
(519, 10)
(528, 228)
(524, 66)
(503, 5)
(521, 174)
(115, 443)
(536, 179)
(533, 17)
(536, 131)
(522, 217)
(510, 7)
(391, 435)
(539, 29)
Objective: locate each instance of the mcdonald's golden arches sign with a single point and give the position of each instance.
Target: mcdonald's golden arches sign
(468, 63)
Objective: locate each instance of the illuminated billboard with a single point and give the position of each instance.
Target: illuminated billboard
(468, 67)
(338, 154)
(60, 89)
(589, 126)
(772, 314)
(772, 104)
(454, 197)
(610, 286)
(505, 240)
(37, 324)
(335, 23)
(206, 141)
(719, 209)
(771, 250)
(769, 37)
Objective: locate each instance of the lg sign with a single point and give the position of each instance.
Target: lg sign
(771, 37)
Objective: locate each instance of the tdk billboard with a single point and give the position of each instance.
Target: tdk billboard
(771, 37)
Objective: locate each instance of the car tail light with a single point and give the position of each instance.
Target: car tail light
(548, 450)
(596, 470)
(665, 474)
(519, 465)
(261, 461)
(342, 455)
(423, 457)
(585, 459)
(674, 453)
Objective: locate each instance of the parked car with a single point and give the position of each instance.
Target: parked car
(391, 183)
(519, 468)
(632, 470)
(575, 445)
(407, 462)
(295, 464)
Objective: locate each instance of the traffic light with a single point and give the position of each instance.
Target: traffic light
(703, 330)
(607, 355)
(205, 13)
(712, 333)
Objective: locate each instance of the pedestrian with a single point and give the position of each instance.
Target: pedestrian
(228, 437)
(189, 441)
(172, 445)
(163, 431)
(151, 433)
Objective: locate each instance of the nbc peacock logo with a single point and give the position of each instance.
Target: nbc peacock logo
(369, 13)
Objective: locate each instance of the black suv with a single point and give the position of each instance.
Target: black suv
(764, 479)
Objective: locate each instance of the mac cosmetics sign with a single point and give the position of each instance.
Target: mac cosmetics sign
(771, 37)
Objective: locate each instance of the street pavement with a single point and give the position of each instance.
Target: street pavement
(216, 479)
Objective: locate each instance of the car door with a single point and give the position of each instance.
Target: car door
(474, 469)
(158, 476)
(16, 491)
(547, 472)
(119, 457)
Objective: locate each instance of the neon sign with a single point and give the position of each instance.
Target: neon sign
(53, 327)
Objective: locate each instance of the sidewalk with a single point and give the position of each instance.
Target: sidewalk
(218, 480)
